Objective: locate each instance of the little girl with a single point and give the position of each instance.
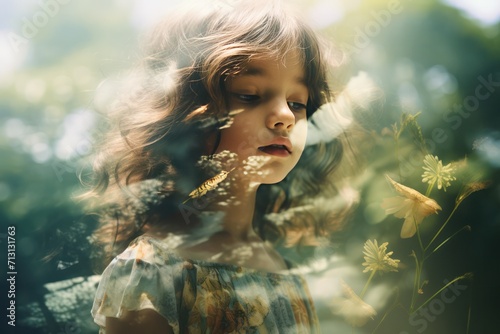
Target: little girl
(197, 166)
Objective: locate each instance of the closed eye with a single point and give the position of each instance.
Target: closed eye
(247, 98)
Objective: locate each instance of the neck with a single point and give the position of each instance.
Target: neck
(239, 212)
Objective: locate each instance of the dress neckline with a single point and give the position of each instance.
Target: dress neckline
(207, 263)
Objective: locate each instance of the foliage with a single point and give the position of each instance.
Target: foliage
(427, 58)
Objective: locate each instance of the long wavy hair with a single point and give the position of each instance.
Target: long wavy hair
(146, 163)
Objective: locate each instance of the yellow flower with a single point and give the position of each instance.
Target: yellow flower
(352, 308)
(436, 172)
(410, 205)
(377, 258)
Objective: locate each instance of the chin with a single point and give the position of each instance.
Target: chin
(274, 175)
(272, 180)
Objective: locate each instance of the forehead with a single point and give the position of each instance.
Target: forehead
(290, 65)
(289, 58)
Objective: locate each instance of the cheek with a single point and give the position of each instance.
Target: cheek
(236, 137)
(300, 134)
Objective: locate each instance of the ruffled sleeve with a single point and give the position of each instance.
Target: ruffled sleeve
(142, 277)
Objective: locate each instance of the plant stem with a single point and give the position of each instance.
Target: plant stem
(396, 151)
(448, 239)
(442, 227)
(389, 311)
(418, 235)
(429, 188)
(383, 318)
(416, 282)
(441, 290)
(367, 283)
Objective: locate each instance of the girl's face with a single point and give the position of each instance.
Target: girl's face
(269, 130)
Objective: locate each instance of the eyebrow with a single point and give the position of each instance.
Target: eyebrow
(258, 71)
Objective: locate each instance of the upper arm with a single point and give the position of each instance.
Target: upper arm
(146, 321)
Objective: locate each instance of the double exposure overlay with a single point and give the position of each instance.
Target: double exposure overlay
(376, 209)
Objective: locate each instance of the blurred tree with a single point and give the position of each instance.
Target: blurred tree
(424, 55)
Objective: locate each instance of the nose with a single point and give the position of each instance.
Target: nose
(280, 117)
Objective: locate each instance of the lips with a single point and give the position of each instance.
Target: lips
(280, 147)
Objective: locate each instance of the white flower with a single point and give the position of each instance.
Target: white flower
(410, 205)
(436, 172)
(377, 258)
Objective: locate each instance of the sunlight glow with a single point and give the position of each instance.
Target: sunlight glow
(487, 11)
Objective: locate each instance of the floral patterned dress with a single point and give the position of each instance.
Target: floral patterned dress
(198, 296)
